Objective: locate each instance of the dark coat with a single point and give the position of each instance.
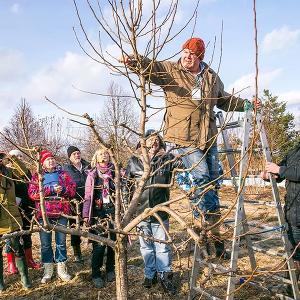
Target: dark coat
(290, 171)
(79, 177)
(10, 218)
(154, 195)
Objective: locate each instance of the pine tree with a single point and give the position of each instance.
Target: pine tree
(279, 125)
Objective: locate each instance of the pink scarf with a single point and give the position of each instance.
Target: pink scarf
(105, 173)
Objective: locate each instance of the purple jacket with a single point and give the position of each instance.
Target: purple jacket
(89, 194)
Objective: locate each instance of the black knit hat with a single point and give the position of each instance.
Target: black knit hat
(72, 149)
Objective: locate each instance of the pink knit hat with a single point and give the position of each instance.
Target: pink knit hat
(44, 155)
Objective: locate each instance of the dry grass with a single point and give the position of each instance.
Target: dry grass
(81, 287)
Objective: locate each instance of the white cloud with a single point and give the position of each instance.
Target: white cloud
(291, 97)
(293, 104)
(11, 64)
(56, 81)
(245, 85)
(15, 8)
(280, 38)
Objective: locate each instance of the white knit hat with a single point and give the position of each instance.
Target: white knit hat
(15, 152)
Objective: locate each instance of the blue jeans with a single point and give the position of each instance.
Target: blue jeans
(214, 166)
(60, 241)
(207, 166)
(212, 160)
(157, 256)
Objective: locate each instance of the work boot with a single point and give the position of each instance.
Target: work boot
(77, 254)
(11, 263)
(98, 282)
(23, 270)
(166, 281)
(62, 272)
(2, 287)
(220, 250)
(147, 283)
(30, 261)
(48, 272)
(155, 279)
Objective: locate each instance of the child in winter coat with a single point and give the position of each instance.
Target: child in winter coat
(59, 188)
(98, 205)
(10, 221)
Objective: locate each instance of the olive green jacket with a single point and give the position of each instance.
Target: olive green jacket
(189, 122)
(10, 218)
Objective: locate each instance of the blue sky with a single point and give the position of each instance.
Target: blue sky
(39, 55)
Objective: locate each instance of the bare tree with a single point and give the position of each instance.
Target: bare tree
(25, 131)
(118, 115)
(24, 128)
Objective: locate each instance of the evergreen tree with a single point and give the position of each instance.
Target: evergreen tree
(279, 125)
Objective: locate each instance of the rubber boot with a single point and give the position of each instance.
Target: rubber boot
(23, 270)
(2, 287)
(30, 261)
(11, 263)
(77, 254)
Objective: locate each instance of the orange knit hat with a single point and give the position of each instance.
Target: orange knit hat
(196, 45)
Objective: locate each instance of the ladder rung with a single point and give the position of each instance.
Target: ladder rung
(270, 252)
(216, 267)
(206, 294)
(230, 125)
(259, 202)
(283, 297)
(282, 279)
(229, 151)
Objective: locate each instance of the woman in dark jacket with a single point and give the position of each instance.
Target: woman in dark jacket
(98, 205)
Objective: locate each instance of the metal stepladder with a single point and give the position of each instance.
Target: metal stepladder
(240, 221)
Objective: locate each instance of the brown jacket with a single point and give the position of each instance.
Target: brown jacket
(10, 218)
(189, 122)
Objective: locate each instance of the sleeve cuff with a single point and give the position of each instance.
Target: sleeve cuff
(282, 170)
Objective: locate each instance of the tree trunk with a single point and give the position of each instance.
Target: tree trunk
(121, 267)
